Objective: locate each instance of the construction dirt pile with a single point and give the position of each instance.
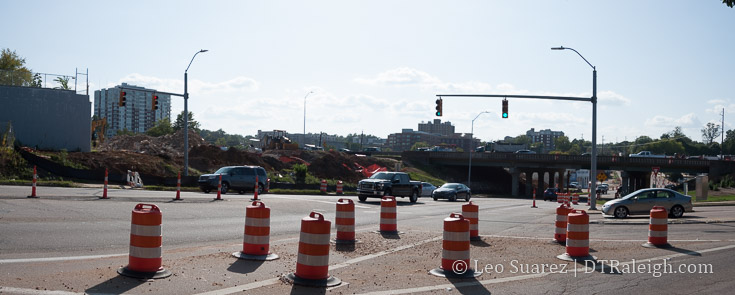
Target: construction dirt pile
(208, 158)
(121, 161)
(167, 146)
(343, 166)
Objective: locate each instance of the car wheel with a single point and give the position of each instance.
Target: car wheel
(414, 197)
(225, 187)
(467, 197)
(387, 192)
(453, 198)
(260, 189)
(362, 198)
(435, 198)
(677, 211)
(621, 212)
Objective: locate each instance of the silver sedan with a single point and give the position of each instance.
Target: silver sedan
(427, 189)
(641, 202)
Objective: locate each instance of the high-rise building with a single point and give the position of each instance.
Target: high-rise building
(138, 114)
(437, 127)
(547, 137)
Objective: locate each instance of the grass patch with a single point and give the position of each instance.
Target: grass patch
(710, 198)
(57, 183)
(417, 176)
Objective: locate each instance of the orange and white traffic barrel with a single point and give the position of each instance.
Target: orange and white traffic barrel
(658, 228)
(144, 260)
(256, 241)
(578, 236)
(104, 190)
(339, 187)
(323, 187)
(35, 178)
(268, 185)
(388, 215)
(560, 198)
(455, 248)
(470, 211)
(575, 199)
(560, 231)
(312, 264)
(345, 222)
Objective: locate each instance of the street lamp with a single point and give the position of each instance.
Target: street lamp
(472, 147)
(303, 138)
(593, 163)
(186, 114)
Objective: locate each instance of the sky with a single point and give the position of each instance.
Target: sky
(376, 66)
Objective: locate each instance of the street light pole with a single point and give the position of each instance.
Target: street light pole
(186, 114)
(303, 137)
(472, 148)
(593, 163)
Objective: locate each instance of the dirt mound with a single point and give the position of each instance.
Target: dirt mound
(167, 146)
(122, 161)
(342, 166)
(207, 158)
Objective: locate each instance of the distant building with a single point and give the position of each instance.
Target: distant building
(432, 133)
(546, 137)
(437, 127)
(137, 115)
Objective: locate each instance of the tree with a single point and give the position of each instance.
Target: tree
(562, 144)
(710, 132)
(162, 127)
(729, 3)
(179, 124)
(13, 71)
(63, 81)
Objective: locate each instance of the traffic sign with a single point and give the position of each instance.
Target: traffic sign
(601, 176)
(655, 169)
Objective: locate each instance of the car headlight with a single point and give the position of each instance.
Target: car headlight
(380, 185)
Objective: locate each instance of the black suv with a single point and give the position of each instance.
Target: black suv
(236, 178)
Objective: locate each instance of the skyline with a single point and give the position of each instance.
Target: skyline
(377, 66)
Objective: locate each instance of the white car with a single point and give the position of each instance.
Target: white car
(427, 189)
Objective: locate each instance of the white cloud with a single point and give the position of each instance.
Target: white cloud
(406, 76)
(611, 98)
(687, 121)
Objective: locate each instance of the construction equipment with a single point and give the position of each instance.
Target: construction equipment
(278, 141)
(98, 131)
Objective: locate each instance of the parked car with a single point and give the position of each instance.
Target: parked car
(427, 189)
(641, 202)
(452, 191)
(550, 194)
(236, 178)
(574, 184)
(602, 188)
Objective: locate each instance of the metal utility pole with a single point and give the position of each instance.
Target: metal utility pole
(722, 140)
(472, 147)
(303, 139)
(186, 114)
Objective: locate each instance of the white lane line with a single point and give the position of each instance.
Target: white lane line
(49, 259)
(250, 286)
(242, 288)
(525, 277)
(319, 201)
(598, 240)
(23, 291)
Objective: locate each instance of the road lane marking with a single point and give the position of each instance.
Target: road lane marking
(50, 259)
(525, 277)
(23, 291)
(250, 286)
(319, 201)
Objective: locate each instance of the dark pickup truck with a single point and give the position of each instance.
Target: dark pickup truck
(389, 184)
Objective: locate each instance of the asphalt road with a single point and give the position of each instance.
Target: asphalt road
(49, 242)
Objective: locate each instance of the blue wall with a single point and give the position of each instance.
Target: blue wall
(51, 119)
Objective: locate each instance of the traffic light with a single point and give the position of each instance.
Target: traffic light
(439, 107)
(122, 100)
(154, 105)
(505, 108)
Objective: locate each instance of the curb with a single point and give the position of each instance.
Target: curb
(712, 204)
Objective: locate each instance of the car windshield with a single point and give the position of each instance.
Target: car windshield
(382, 175)
(451, 185)
(223, 170)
